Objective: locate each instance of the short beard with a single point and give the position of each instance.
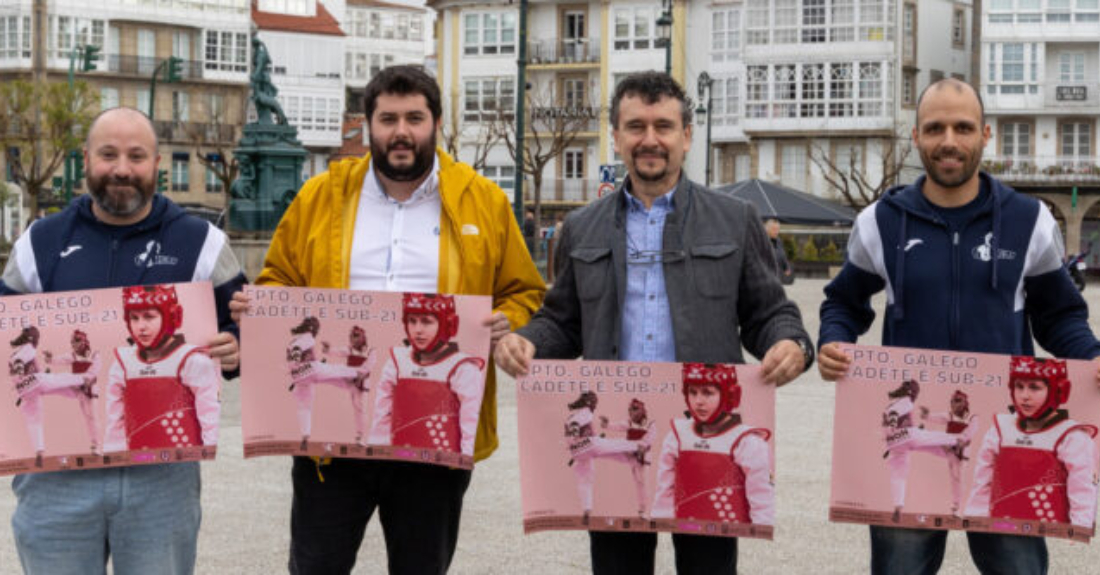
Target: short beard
(970, 167)
(120, 206)
(659, 176)
(423, 160)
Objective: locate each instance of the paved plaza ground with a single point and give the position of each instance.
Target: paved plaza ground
(246, 504)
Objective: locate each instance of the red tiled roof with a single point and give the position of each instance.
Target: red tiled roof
(352, 139)
(322, 23)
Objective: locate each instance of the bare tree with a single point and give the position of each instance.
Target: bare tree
(550, 128)
(215, 139)
(457, 136)
(35, 150)
(851, 181)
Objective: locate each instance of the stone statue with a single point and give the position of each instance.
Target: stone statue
(263, 91)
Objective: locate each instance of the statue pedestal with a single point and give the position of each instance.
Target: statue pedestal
(271, 158)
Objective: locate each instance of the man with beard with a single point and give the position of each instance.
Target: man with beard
(407, 218)
(662, 270)
(968, 265)
(145, 518)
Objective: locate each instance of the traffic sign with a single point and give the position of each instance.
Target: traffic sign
(607, 174)
(604, 189)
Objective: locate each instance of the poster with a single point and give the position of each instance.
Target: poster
(624, 446)
(107, 378)
(977, 442)
(368, 375)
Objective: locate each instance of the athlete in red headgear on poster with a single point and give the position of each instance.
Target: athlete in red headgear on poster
(429, 394)
(306, 371)
(713, 467)
(639, 428)
(31, 385)
(903, 437)
(960, 422)
(161, 391)
(1035, 462)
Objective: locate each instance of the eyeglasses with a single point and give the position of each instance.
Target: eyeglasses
(636, 256)
(645, 257)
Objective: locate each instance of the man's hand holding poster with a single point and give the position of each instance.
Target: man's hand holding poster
(108, 377)
(943, 440)
(369, 375)
(623, 446)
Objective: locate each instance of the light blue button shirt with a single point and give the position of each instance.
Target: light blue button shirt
(647, 322)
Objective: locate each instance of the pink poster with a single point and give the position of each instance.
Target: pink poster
(368, 375)
(623, 446)
(978, 442)
(107, 378)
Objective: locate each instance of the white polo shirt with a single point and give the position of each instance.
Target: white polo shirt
(395, 245)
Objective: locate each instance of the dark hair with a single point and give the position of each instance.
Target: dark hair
(959, 86)
(403, 80)
(650, 87)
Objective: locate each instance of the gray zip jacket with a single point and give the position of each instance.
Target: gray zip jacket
(720, 277)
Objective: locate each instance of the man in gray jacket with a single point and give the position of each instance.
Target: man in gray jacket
(662, 270)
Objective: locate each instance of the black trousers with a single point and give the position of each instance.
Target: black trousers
(419, 506)
(633, 553)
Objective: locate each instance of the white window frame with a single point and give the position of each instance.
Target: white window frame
(635, 38)
(725, 35)
(474, 37)
(1071, 67)
(502, 91)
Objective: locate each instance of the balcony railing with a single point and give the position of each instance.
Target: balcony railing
(144, 66)
(1044, 169)
(191, 132)
(563, 51)
(581, 190)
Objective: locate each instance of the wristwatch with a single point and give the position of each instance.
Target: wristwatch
(807, 352)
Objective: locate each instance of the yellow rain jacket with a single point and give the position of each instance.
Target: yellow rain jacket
(481, 250)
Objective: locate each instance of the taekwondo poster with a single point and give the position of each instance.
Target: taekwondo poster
(369, 375)
(108, 378)
(977, 442)
(623, 446)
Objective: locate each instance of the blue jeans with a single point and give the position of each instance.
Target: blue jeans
(145, 519)
(896, 551)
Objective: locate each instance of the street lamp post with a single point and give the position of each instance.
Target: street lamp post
(664, 33)
(703, 113)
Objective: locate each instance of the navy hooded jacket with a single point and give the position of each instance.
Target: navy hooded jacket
(986, 287)
(72, 250)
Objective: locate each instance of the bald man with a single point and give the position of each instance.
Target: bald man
(970, 265)
(144, 519)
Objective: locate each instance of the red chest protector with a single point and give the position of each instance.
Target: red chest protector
(159, 410)
(425, 410)
(1029, 481)
(355, 359)
(710, 486)
(636, 433)
(81, 364)
(956, 427)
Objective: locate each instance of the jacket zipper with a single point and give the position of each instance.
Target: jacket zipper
(954, 289)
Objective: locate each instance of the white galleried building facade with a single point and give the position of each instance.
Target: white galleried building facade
(576, 52)
(836, 81)
(135, 36)
(792, 80)
(378, 35)
(1041, 84)
(306, 45)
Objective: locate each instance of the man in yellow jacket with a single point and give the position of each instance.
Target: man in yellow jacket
(407, 217)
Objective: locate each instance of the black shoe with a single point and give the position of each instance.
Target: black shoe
(291, 388)
(18, 402)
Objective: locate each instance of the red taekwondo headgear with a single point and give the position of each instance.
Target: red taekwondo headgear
(159, 297)
(440, 306)
(722, 375)
(1051, 371)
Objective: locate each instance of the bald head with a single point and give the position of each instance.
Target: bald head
(121, 159)
(124, 114)
(956, 86)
